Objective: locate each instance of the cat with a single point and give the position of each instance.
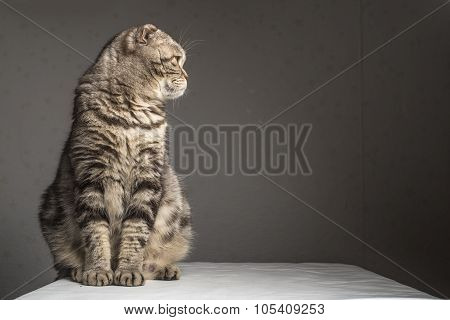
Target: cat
(115, 213)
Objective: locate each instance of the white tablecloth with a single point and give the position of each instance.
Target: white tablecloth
(246, 281)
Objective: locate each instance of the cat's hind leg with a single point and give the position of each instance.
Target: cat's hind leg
(169, 272)
(76, 274)
(160, 259)
(68, 254)
(161, 272)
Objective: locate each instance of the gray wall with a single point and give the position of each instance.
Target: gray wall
(406, 100)
(257, 57)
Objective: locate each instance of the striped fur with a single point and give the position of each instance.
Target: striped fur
(115, 212)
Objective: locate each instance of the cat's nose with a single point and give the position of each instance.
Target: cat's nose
(184, 73)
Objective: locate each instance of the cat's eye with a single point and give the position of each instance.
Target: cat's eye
(174, 61)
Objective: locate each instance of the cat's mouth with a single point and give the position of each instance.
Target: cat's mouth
(174, 91)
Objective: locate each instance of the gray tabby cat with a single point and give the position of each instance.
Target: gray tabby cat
(115, 212)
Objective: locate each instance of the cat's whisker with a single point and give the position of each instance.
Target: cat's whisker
(189, 43)
(192, 45)
(183, 34)
(173, 104)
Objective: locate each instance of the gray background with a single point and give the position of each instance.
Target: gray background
(379, 148)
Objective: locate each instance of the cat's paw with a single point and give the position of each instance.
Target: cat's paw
(77, 275)
(169, 272)
(97, 277)
(128, 278)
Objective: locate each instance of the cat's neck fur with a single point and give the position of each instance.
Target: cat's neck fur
(110, 79)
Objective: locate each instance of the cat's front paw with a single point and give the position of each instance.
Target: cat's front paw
(128, 278)
(97, 277)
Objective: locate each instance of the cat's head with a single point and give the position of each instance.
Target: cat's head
(151, 52)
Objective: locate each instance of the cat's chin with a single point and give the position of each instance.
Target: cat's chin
(171, 95)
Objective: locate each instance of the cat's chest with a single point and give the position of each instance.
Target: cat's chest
(134, 141)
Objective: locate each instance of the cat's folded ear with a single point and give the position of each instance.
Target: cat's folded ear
(144, 32)
(139, 36)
